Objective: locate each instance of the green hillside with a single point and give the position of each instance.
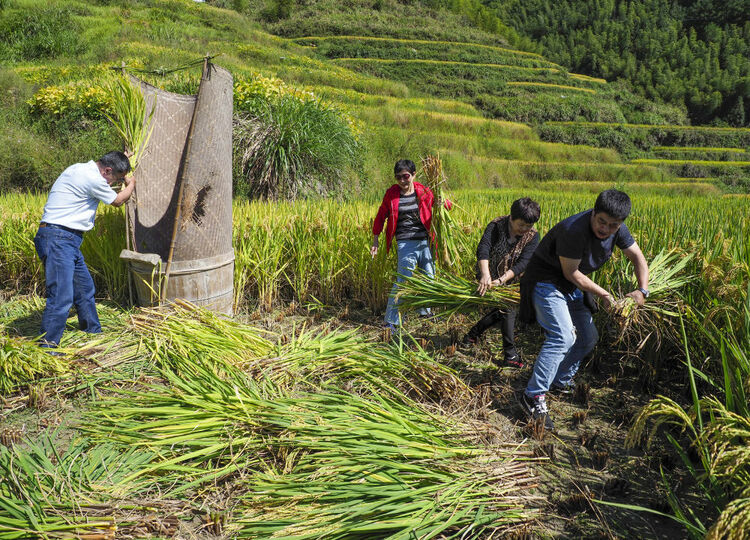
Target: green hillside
(403, 95)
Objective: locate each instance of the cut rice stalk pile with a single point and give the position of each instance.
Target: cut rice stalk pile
(76, 492)
(312, 439)
(318, 463)
(22, 361)
(452, 294)
(450, 239)
(299, 357)
(181, 329)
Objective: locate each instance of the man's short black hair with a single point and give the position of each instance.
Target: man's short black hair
(613, 202)
(525, 209)
(118, 161)
(404, 165)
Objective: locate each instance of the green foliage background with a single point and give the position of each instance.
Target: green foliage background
(687, 53)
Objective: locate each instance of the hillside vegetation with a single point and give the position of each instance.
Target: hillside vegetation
(690, 54)
(52, 104)
(294, 420)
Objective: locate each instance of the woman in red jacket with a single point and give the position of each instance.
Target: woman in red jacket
(407, 206)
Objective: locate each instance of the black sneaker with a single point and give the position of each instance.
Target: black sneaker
(513, 360)
(565, 391)
(536, 407)
(469, 340)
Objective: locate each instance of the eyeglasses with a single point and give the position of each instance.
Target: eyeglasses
(403, 176)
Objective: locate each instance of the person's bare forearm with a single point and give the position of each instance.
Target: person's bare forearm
(124, 194)
(484, 267)
(586, 284)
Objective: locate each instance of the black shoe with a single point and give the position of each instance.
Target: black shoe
(468, 340)
(565, 391)
(535, 408)
(513, 360)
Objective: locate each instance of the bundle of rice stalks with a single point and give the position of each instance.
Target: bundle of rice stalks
(346, 358)
(128, 115)
(452, 294)
(50, 493)
(449, 237)
(656, 316)
(22, 361)
(181, 329)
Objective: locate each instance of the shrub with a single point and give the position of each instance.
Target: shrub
(535, 106)
(75, 99)
(293, 148)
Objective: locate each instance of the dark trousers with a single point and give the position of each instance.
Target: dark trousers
(506, 320)
(68, 283)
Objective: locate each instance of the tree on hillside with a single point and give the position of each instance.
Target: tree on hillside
(692, 53)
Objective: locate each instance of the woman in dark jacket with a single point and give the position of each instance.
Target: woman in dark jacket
(504, 251)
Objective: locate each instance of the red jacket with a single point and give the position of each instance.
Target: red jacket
(389, 210)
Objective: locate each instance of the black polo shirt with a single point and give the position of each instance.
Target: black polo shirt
(573, 238)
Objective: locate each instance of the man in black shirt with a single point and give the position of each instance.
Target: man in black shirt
(554, 282)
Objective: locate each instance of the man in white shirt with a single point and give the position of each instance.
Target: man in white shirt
(69, 212)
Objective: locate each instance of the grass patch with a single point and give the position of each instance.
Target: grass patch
(439, 122)
(703, 163)
(553, 86)
(634, 139)
(391, 48)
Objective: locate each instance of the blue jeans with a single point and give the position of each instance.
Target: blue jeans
(411, 254)
(570, 335)
(68, 283)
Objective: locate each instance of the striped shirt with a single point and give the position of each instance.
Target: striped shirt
(409, 226)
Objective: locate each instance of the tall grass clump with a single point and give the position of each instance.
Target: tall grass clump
(292, 148)
(38, 32)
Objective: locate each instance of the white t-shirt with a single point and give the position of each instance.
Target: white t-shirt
(75, 195)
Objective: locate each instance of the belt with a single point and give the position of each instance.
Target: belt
(64, 228)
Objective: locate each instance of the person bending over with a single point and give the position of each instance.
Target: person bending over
(503, 252)
(69, 212)
(553, 286)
